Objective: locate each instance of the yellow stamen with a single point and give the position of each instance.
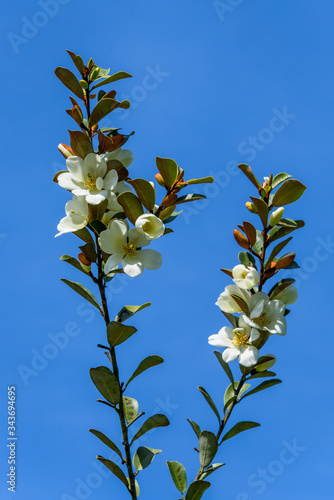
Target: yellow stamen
(261, 320)
(146, 226)
(90, 182)
(240, 338)
(130, 249)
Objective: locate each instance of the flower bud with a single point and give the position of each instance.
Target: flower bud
(85, 264)
(276, 216)
(160, 180)
(251, 207)
(65, 150)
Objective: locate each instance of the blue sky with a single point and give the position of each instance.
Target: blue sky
(209, 80)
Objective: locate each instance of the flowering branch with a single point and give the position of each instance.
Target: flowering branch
(117, 218)
(261, 316)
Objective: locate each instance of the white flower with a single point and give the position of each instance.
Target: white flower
(226, 302)
(113, 204)
(124, 246)
(245, 277)
(125, 156)
(238, 342)
(150, 226)
(266, 314)
(289, 295)
(76, 216)
(89, 178)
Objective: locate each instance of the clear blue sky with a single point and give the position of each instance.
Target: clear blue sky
(208, 82)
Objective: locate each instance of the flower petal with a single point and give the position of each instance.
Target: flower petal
(65, 181)
(151, 259)
(230, 354)
(113, 261)
(75, 166)
(110, 180)
(248, 356)
(113, 240)
(96, 197)
(132, 267)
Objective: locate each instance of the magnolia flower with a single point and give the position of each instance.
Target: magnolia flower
(124, 156)
(226, 302)
(125, 246)
(113, 204)
(266, 314)
(238, 342)
(245, 277)
(150, 226)
(76, 216)
(289, 295)
(89, 178)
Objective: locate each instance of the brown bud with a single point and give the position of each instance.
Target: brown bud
(241, 239)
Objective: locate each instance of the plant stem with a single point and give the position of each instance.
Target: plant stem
(120, 412)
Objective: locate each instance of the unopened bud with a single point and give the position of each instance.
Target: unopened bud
(276, 216)
(251, 207)
(160, 180)
(65, 150)
(85, 263)
(84, 84)
(241, 239)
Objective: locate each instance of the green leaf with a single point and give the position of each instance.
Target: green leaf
(97, 226)
(265, 362)
(84, 235)
(89, 251)
(83, 291)
(210, 470)
(289, 192)
(102, 109)
(279, 178)
(257, 247)
(106, 441)
(210, 402)
(144, 365)
(196, 428)
(243, 306)
(245, 258)
(280, 286)
(276, 250)
(240, 427)
(144, 456)
(208, 447)
(74, 262)
(283, 228)
(136, 486)
(231, 318)
(189, 197)
(131, 407)
(80, 143)
(224, 365)
(262, 374)
(203, 180)
(131, 206)
(196, 490)
(118, 333)
(77, 61)
(229, 395)
(178, 474)
(113, 78)
(70, 81)
(249, 173)
(168, 170)
(264, 385)
(145, 192)
(114, 469)
(262, 208)
(127, 311)
(106, 383)
(157, 420)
